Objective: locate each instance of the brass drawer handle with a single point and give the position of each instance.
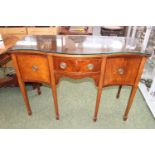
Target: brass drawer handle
(34, 68)
(63, 65)
(90, 66)
(121, 71)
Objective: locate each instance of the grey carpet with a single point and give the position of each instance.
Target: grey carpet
(76, 105)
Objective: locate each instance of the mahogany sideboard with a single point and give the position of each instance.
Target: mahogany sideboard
(45, 59)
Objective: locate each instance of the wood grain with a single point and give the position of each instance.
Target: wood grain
(99, 92)
(130, 66)
(105, 71)
(53, 86)
(134, 88)
(28, 62)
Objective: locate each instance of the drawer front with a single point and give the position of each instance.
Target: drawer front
(77, 65)
(88, 66)
(121, 70)
(33, 68)
(64, 64)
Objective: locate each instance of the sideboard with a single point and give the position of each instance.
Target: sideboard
(45, 59)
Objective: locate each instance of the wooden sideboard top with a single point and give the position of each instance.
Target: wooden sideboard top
(76, 45)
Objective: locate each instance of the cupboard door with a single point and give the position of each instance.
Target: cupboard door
(121, 70)
(33, 68)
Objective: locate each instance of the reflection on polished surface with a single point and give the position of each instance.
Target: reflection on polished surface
(75, 44)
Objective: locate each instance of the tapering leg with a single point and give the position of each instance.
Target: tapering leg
(21, 85)
(54, 92)
(99, 93)
(24, 93)
(130, 101)
(119, 90)
(134, 88)
(100, 85)
(53, 86)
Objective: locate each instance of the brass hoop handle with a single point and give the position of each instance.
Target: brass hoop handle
(63, 65)
(90, 66)
(35, 68)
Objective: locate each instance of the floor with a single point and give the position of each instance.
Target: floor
(76, 105)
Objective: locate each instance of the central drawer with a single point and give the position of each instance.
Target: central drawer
(77, 65)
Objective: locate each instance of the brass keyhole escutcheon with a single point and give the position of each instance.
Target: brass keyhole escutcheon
(34, 68)
(121, 71)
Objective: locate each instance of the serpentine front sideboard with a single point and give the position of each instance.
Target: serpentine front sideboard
(45, 59)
